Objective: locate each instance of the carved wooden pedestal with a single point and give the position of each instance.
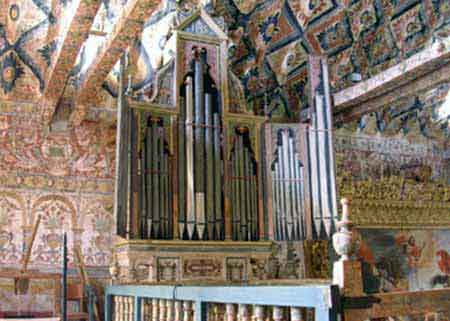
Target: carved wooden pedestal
(142, 261)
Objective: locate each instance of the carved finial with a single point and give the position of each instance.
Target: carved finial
(345, 209)
(344, 241)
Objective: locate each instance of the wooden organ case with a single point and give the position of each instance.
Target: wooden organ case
(185, 164)
(205, 191)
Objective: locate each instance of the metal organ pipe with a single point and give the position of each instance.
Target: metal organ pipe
(292, 187)
(209, 142)
(218, 172)
(149, 179)
(244, 202)
(199, 65)
(157, 188)
(153, 170)
(182, 170)
(190, 203)
(287, 189)
(200, 177)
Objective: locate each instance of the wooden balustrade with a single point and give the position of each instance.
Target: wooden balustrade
(220, 303)
(176, 310)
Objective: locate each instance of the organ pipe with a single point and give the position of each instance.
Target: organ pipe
(287, 189)
(201, 174)
(157, 191)
(190, 194)
(243, 188)
(321, 171)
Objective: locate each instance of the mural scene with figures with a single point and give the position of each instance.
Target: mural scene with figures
(405, 260)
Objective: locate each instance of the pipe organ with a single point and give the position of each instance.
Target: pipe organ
(203, 190)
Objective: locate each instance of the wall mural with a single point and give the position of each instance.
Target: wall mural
(85, 151)
(395, 260)
(400, 155)
(67, 178)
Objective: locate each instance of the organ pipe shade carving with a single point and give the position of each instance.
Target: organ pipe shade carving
(243, 183)
(200, 154)
(156, 197)
(288, 184)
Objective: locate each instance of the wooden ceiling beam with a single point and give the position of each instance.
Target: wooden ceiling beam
(420, 72)
(129, 26)
(76, 35)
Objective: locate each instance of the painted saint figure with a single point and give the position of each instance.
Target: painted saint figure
(414, 253)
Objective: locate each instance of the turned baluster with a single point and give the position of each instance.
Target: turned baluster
(178, 311)
(277, 314)
(220, 312)
(170, 310)
(125, 309)
(124, 312)
(155, 310)
(187, 311)
(258, 313)
(148, 310)
(124, 304)
(210, 312)
(230, 312)
(214, 315)
(243, 314)
(162, 310)
(130, 308)
(116, 308)
(296, 314)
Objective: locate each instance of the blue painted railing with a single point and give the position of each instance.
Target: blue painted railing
(323, 298)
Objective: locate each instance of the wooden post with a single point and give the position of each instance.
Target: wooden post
(137, 308)
(84, 276)
(121, 190)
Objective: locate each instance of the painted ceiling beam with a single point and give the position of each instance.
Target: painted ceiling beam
(422, 71)
(129, 26)
(76, 35)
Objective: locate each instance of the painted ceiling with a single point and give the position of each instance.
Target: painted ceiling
(269, 41)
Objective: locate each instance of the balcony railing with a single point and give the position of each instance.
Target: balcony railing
(214, 303)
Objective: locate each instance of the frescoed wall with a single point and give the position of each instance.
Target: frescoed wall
(408, 260)
(394, 166)
(394, 163)
(66, 178)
